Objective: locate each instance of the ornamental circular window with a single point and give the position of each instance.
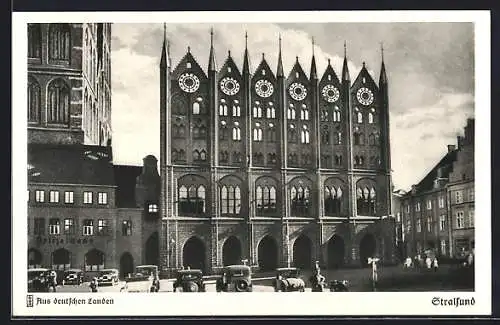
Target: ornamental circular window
(364, 96)
(298, 91)
(189, 82)
(229, 86)
(264, 88)
(330, 93)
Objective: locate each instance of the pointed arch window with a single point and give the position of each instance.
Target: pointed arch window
(338, 138)
(34, 41)
(192, 199)
(338, 160)
(203, 155)
(196, 155)
(336, 114)
(196, 108)
(359, 161)
(365, 201)
(224, 131)
(292, 134)
(324, 116)
(359, 116)
(58, 102)
(304, 135)
(325, 135)
(230, 199)
(34, 101)
(291, 112)
(223, 108)
(236, 133)
(257, 110)
(272, 133)
(257, 133)
(266, 199)
(359, 138)
(370, 118)
(236, 108)
(332, 200)
(59, 42)
(300, 200)
(304, 113)
(271, 111)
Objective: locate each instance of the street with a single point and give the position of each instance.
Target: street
(391, 278)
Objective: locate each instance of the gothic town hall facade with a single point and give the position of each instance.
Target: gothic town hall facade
(273, 168)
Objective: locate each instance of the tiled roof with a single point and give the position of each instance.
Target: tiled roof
(70, 164)
(446, 163)
(125, 179)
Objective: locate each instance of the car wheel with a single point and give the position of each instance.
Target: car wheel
(179, 289)
(302, 289)
(192, 287)
(241, 286)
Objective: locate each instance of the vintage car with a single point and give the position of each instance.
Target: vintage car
(235, 278)
(73, 276)
(288, 279)
(108, 277)
(38, 280)
(144, 279)
(189, 281)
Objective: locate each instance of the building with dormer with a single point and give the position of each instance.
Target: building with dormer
(280, 169)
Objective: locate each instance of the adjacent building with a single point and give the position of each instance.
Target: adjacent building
(438, 212)
(83, 211)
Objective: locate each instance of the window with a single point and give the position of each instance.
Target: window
(336, 114)
(191, 200)
(58, 101)
(39, 226)
(34, 100)
(471, 218)
(54, 196)
(223, 131)
(237, 157)
(224, 157)
(88, 227)
(365, 201)
(54, 226)
(325, 136)
(370, 118)
(257, 110)
(442, 222)
(271, 159)
(458, 197)
(39, 196)
(153, 208)
(304, 113)
(102, 198)
(324, 116)
(230, 197)
(266, 199)
(272, 133)
(291, 112)
(429, 224)
(68, 197)
(236, 133)
(338, 138)
(300, 200)
(59, 42)
(441, 202)
(417, 206)
(292, 133)
(258, 158)
(429, 204)
(223, 108)
(127, 228)
(236, 109)
(359, 117)
(87, 197)
(304, 136)
(69, 226)
(34, 41)
(333, 200)
(338, 160)
(257, 133)
(408, 225)
(407, 208)
(196, 108)
(443, 246)
(358, 138)
(271, 111)
(419, 225)
(102, 227)
(359, 161)
(460, 220)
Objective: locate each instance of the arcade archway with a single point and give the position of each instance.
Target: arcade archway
(302, 256)
(193, 254)
(34, 258)
(268, 254)
(231, 251)
(336, 252)
(126, 264)
(61, 259)
(367, 248)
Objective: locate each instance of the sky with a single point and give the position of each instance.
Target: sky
(430, 68)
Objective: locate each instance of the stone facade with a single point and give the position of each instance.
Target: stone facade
(271, 168)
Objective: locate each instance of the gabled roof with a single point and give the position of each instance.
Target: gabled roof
(125, 180)
(70, 164)
(182, 66)
(446, 163)
(297, 68)
(229, 63)
(330, 72)
(263, 65)
(368, 78)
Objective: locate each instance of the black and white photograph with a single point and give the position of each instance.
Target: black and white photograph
(218, 159)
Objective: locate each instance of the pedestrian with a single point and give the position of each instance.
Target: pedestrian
(428, 262)
(53, 280)
(435, 264)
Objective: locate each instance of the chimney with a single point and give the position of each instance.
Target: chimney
(459, 142)
(451, 147)
(413, 189)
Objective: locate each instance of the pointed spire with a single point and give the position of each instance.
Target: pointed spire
(211, 59)
(279, 72)
(165, 60)
(383, 75)
(345, 69)
(314, 74)
(246, 60)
